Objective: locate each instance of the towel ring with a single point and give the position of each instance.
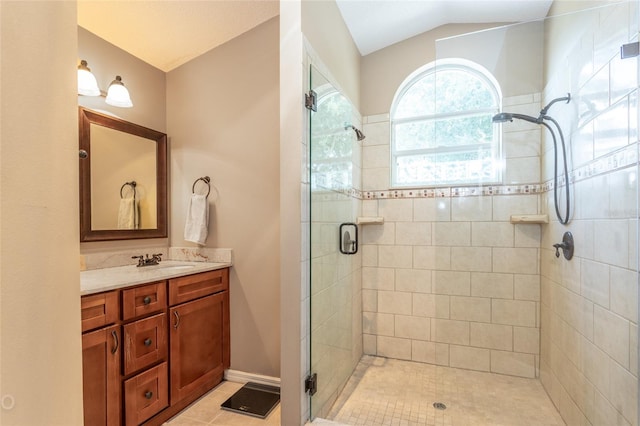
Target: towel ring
(132, 184)
(205, 179)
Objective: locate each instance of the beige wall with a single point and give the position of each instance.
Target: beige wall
(147, 86)
(235, 143)
(145, 83)
(40, 290)
(383, 71)
(324, 28)
(222, 110)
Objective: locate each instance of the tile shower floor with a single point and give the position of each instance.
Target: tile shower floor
(392, 392)
(207, 411)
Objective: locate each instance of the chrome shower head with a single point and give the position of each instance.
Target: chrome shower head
(359, 135)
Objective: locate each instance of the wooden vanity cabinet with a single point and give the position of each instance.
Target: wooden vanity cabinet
(151, 350)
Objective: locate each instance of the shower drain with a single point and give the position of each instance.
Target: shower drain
(439, 406)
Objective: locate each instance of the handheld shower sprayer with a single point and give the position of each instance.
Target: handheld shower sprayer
(506, 116)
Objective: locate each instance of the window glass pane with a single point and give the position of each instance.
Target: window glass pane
(419, 99)
(441, 127)
(415, 135)
(459, 90)
(463, 131)
(446, 168)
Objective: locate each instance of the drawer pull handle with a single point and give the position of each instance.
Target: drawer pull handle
(175, 326)
(115, 342)
(146, 300)
(148, 394)
(147, 342)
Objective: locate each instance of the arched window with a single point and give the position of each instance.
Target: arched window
(441, 129)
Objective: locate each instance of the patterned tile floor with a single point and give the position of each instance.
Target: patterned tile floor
(392, 392)
(207, 411)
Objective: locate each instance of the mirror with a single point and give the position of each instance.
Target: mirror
(123, 179)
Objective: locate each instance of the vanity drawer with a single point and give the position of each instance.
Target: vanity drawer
(191, 287)
(98, 310)
(146, 394)
(146, 299)
(145, 342)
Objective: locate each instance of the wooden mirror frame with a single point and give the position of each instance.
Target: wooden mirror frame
(85, 118)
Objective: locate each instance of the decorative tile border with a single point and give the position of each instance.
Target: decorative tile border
(625, 157)
(464, 191)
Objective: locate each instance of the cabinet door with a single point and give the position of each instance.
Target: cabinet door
(199, 344)
(101, 376)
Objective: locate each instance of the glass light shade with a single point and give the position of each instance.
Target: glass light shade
(118, 95)
(87, 84)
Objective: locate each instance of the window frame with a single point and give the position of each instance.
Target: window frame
(495, 146)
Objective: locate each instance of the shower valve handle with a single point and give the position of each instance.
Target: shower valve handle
(559, 246)
(566, 245)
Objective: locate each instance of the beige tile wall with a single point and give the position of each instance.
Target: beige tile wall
(450, 281)
(589, 304)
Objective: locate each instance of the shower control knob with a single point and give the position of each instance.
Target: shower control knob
(566, 245)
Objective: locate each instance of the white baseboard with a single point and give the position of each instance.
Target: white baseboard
(244, 377)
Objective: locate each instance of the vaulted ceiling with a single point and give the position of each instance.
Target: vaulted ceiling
(168, 33)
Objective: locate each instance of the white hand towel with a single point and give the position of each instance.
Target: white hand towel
(127, 213)
(197, 223)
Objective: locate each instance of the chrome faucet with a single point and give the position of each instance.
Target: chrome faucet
(148, 261)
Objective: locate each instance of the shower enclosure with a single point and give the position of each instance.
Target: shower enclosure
(336, 332)
(466, 276)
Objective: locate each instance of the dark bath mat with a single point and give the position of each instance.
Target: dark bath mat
(253, 399)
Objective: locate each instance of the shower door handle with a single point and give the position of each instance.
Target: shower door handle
(348, 245)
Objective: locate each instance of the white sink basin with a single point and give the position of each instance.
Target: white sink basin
(174, 267)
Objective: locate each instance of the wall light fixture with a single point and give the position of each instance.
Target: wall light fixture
(87, 83)
(117, 95)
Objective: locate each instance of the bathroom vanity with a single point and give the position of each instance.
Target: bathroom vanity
(154, 339)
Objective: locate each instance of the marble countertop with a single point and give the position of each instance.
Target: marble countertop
(98, 280)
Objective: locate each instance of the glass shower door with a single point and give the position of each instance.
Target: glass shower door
(332, 278)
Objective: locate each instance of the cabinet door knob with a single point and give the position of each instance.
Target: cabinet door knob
(146, 300)
(147, 342)
(148, 394)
